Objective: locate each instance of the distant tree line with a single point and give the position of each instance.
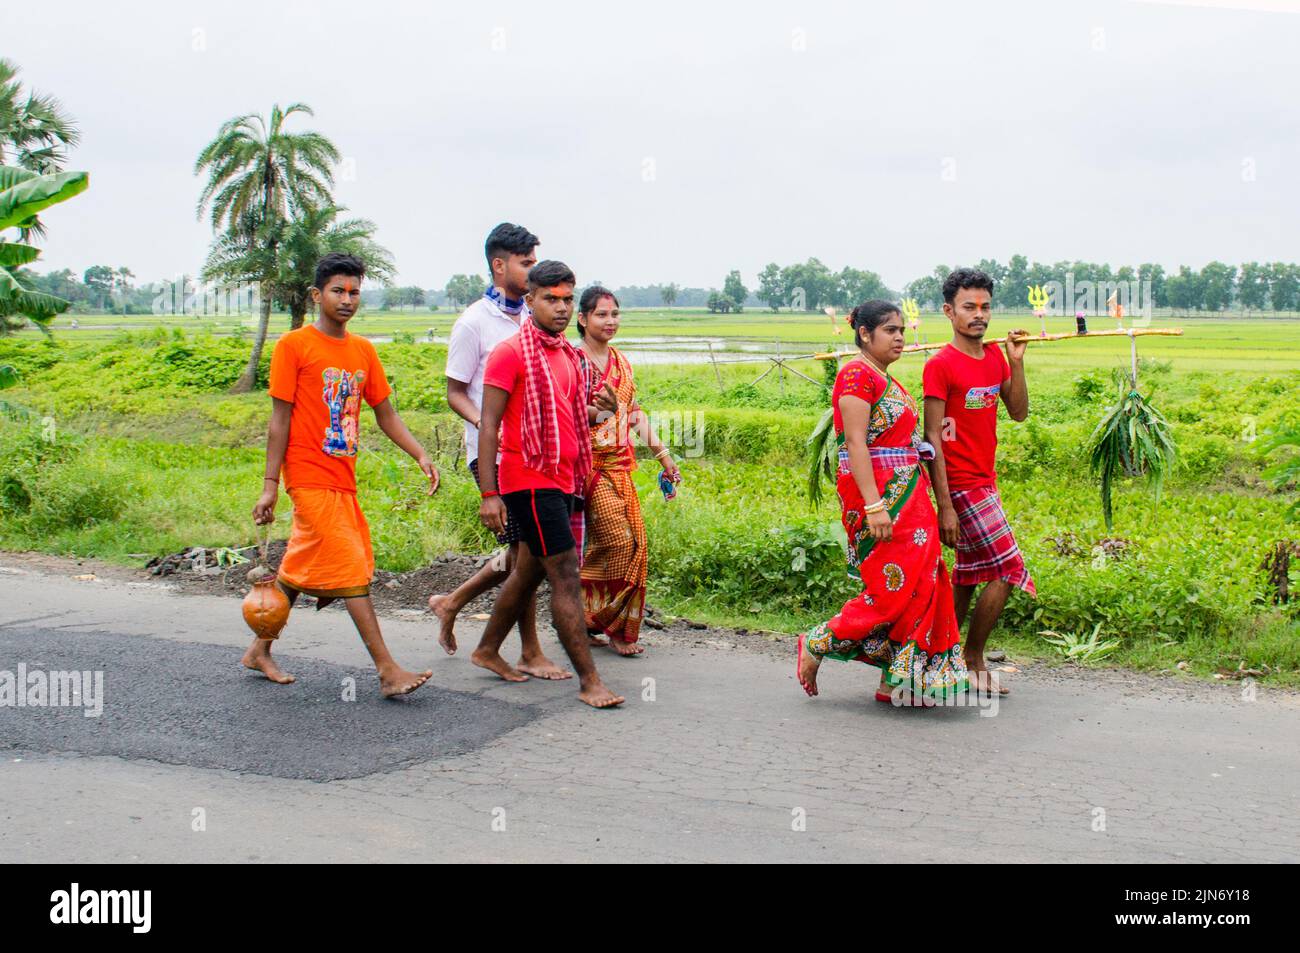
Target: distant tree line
(409, 296)
(810, 286)
(100, 288)
(1218, 287)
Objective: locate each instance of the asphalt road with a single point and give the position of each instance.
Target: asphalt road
(717, 756)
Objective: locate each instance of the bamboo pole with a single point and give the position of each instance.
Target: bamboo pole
(713, 359)
(780, 364)
(810, 380)
(1031, 338)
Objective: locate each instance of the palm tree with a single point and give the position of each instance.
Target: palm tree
(313, 235)
(258, 176)
(122, 284)
(35, 133)
(300, 244)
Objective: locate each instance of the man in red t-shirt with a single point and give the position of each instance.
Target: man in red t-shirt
(535, 397)
(963, 383)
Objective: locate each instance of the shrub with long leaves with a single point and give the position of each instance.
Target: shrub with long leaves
(823, 457)
(1282, 447)
(1133, 439)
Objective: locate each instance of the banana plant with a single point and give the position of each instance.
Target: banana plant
(23, 195)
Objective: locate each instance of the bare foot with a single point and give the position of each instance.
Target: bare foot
(984, 682)
(446, 621)
(398, 681)
(261, 661)
(598, 696)
(807, 671)
(493, 662)
(596, 640)
(883, 692)
(542, 667)
(902, 696)
(625, 649)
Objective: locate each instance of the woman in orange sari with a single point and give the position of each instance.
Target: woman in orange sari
(614, 567)
(903, 622)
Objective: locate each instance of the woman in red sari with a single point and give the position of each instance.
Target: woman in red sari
(903, 622)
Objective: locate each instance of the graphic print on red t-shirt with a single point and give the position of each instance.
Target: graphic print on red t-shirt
(970, 389)
(982, 398)
(505, 370)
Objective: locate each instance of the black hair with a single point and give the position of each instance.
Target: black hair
(965, 278)
(590, 299)
(870, 315)
(337, 263)
(547, 273)
(510, 239)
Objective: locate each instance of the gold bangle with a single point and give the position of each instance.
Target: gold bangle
(876, 507)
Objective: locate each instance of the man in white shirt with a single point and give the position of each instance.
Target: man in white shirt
(510, 251)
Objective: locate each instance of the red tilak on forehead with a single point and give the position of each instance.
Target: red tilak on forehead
(558, 290)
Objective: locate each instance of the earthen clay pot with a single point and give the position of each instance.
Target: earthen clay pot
(266, 607)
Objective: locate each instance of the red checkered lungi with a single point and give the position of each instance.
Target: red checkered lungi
(987, 548)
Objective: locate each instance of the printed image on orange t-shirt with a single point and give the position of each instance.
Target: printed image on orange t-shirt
(325, 379)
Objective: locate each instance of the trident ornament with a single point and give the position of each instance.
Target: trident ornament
(913, 314)
(1038, 301)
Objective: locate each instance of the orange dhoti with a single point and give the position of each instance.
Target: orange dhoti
(329, 552)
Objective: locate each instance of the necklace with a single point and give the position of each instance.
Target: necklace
(868, 360)
(599, 366)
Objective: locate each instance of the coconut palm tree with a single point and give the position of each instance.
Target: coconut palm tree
(300, 244)
(35, 132)
(258, 176)
(315, 234)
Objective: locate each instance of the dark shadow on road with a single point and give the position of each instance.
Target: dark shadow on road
(193, 704)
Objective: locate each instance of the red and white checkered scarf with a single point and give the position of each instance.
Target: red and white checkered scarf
(540, 422)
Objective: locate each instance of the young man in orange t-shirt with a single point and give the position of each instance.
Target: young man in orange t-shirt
(319, 375)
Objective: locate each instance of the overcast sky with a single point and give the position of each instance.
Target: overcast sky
(665, 141)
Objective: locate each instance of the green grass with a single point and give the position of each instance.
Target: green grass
(150, 455)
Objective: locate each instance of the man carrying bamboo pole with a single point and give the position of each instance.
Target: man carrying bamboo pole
(962, 385)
